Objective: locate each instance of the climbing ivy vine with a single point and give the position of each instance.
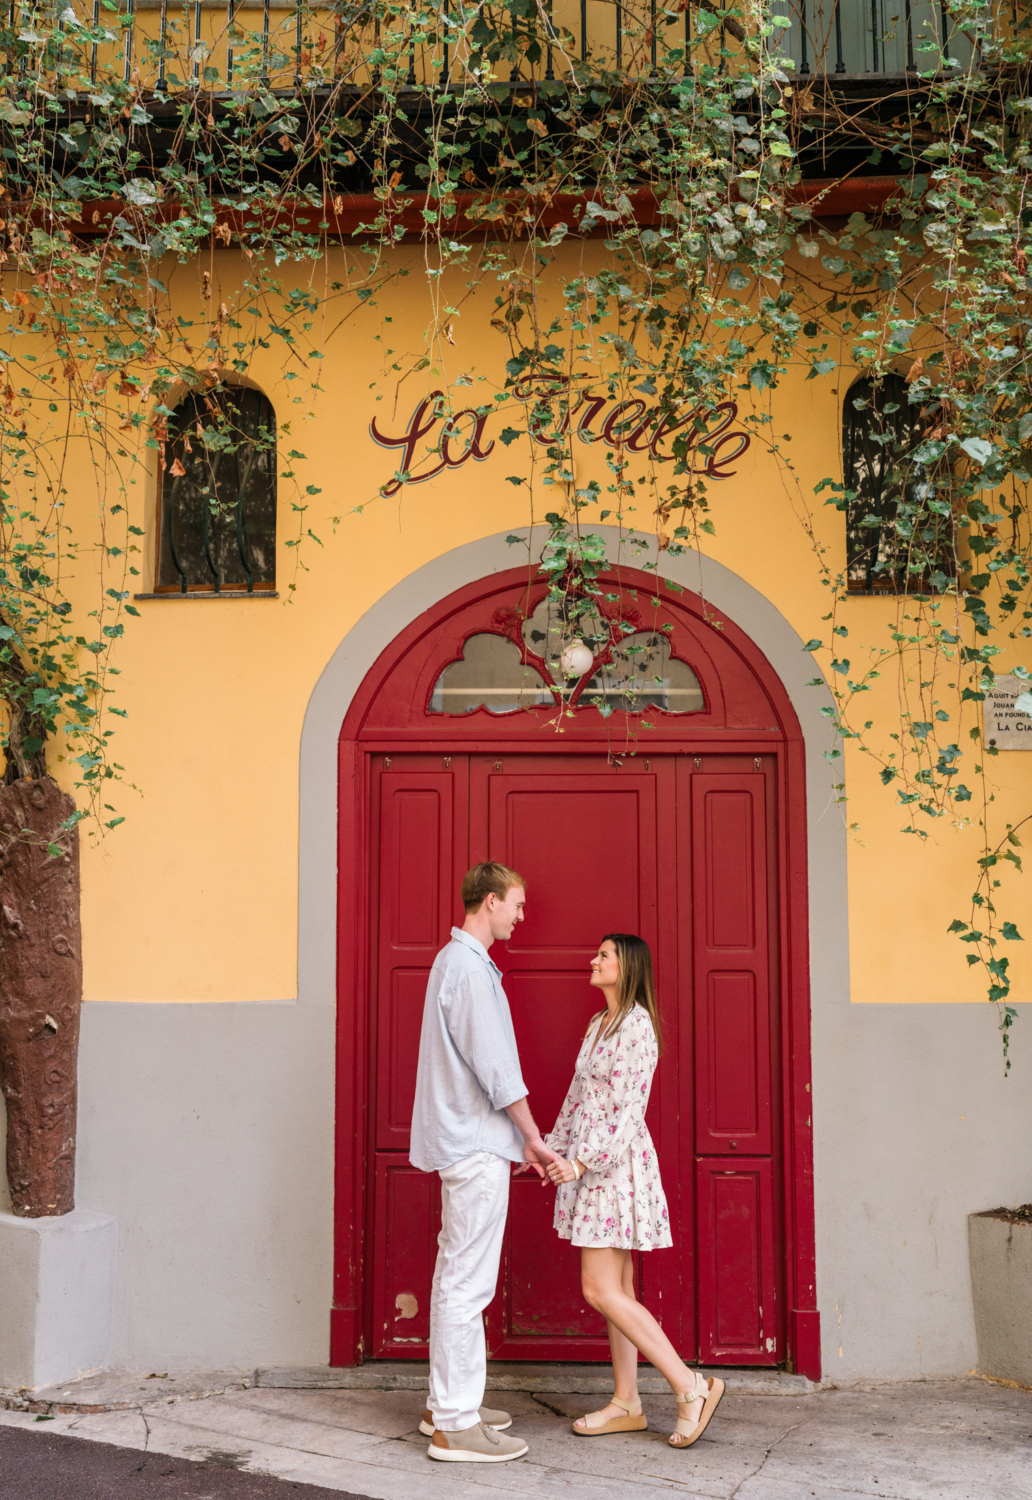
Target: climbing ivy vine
(633, 205)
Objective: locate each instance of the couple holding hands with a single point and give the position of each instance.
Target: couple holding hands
(471, 1119)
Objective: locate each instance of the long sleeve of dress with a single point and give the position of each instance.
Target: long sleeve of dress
(616, 1113)
(558, 1138)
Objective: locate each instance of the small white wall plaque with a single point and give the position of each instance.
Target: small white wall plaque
(1007, 727)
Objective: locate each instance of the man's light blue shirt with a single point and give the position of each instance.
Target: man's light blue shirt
(469, 1068)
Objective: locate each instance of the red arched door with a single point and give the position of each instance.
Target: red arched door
(676, 813)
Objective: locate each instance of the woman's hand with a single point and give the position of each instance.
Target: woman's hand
(563, 1171)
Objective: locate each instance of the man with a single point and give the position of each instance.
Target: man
(469, 1121)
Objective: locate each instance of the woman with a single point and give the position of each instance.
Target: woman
(610, 1199)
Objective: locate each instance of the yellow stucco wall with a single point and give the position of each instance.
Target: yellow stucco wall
(194, 897)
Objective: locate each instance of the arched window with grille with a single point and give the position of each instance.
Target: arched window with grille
(218, 495)
(880, 430)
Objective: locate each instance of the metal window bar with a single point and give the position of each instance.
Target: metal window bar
(549, 69)
(804, 66)
(243, 544)
(297, 44)
(874, 36)
(584, 29)
(130, 16)
(619, 33)
(840, 66)
(410, 76)
(197, 41)
(229, 43)
(93, 47)
(652, 22)
(162, 43)
(265, 43)
(170, 532)
(446, 70)
(23, 64)
(206, 524)
(911, 65)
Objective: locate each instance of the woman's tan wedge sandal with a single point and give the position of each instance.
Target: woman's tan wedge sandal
(596, 1426)
(686, 1433)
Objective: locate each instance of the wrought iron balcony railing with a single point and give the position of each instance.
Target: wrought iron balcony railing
(219, 46)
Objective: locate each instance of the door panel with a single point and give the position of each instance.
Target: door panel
(548, 1307)
(732, 965)
(422, 857)
(553, 1006)
(407, 1217)
(418, 858)
(585, 837)
(738, 1305)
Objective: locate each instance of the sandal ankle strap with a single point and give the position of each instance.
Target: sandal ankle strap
(632, 1408)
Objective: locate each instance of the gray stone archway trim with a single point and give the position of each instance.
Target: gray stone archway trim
(344, 672)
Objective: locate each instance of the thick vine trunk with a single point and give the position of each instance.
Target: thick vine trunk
(40, 994)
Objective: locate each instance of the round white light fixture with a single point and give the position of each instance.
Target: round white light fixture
(576, 659)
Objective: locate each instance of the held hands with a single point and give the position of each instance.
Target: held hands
(539, 1156)
(564, 1171)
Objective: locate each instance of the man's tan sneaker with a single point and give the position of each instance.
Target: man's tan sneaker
(475, 1445)
(499, 1420)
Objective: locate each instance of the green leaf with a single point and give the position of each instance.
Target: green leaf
(978, 449)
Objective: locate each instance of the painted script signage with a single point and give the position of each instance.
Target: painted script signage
(434, 441)
(1005, 726)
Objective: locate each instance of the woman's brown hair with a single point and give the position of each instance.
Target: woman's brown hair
(636, 985)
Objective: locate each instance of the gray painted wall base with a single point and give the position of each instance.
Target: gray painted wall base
(56, 1295)
(915, 1128)
(208, 1131)
(1001, 1283)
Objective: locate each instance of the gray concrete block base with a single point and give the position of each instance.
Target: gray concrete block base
(57, 1295)
(1001, 1285)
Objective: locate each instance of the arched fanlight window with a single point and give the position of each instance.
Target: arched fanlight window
(490, 674)
(636, 672)
(880, 429)
(643, 674)
(218, 494)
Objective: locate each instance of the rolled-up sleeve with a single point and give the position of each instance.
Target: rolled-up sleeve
(485, 1043)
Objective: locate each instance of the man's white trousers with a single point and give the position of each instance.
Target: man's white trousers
(474, 1202)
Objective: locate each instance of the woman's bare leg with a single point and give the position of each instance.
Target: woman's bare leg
(605, 1288)
(625, 1355)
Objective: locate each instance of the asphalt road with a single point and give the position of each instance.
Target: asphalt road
(45, 1466)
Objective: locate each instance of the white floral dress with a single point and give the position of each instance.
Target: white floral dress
(619, 1200)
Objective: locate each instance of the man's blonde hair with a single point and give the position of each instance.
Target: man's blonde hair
(488, 879)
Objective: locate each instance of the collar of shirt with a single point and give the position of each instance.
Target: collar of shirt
(469, 941)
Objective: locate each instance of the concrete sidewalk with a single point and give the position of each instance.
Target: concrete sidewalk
(945, 1440)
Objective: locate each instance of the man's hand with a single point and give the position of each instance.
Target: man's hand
(539, 1156)
(535, 1151)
